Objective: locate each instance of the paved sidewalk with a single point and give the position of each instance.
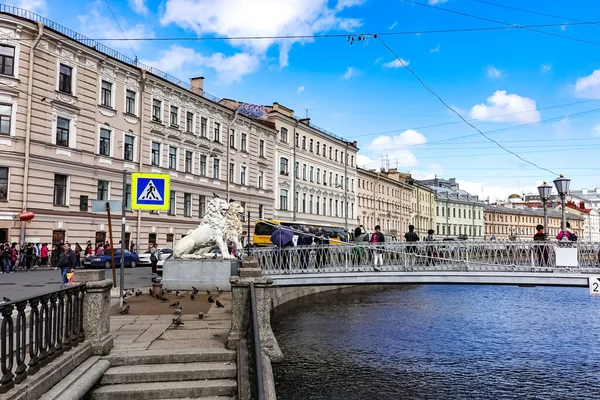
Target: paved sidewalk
(156, 332)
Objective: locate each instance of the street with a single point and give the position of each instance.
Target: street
(23, 284)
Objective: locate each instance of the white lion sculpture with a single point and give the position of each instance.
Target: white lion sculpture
(234, 224)
(211, 231)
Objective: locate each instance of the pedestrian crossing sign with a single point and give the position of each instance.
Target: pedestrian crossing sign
(150, 191)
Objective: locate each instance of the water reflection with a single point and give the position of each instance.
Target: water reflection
(440, 342)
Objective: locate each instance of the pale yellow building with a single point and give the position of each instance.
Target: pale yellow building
(76, 114)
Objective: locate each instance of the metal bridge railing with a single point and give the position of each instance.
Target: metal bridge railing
(255, 349)
(27, 343)
(426, 256)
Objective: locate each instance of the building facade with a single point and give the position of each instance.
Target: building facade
(75, 116)
(504, 223)
(383, 199)
(457, 213)
(588, 200)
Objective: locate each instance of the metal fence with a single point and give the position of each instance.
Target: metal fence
(29, 342)
(427, 256)
(255, 349)
(20, 12)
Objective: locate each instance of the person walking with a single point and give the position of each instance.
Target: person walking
(6, 258)
(15, 257)
(541, 247)
(29, 256)
(78, 251)
(377, 237)
(153, 257)
(305, 240)
(430, 249)
(358, 250)
(66, 262)
(411, 237)
(44, 255)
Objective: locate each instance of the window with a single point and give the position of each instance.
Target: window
(203, 165)
(283, 135)
(244, 145)
(7, 60)
(231, 172)
(216, 171)
(283, 166)
(189, 122)
(331, 207)
(217, 137)
(106, 94)
(324, 150)
(283, 199)
(188, 161)
(65, 77)
(352, 161)
(155, 154)
(303, 202)
(3, 181)
(297, 170)
(261, 148)
(342, 157)
(297, 140)
(202, 209)
(310, 204)
(232, 139)
(261, 179)
(128, 148)
(336, 155)
(172, 203)
(102, 190)
(437, 212)
(331, 179)
(310, 174)
(324, 211)
(104, 148)
(242, 175)
(330, 153)
(304, 171)
(156, 110)
(203, 127)
(172, 157)
(303, 142)
(318, 175)
(60, 190)
(174, 119)
(318, 148)
(317, 204)
(130, 102)
(187, 205)
(62, 132)
(325, 177)
(83, 203)
(128, 197)
(260, 211)
(5, 117)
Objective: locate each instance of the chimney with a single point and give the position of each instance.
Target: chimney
(197, 85)
(584, 191)
(582, 205)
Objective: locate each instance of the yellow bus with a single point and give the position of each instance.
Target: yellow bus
(263, 230)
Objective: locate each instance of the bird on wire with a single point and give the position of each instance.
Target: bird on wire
(211, 299)
(219, 304)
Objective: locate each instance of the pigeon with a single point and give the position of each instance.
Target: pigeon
(194, 291)
(200, 315)
(164, 299)
(176, 304)
(208, 292)
(219, 304)
(6, 299)
(178, 294)
(178, 311)
(150, 292)
(219, 290)
(125, 310)
(138, 293)
(210, 299)
(154, 280)
(193, 296)
(177, 322)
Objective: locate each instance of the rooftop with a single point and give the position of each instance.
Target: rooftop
(534, 212)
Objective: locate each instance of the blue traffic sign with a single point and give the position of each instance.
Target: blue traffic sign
(150, 191)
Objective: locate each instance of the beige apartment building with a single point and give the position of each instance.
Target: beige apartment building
(383, 200)
(74, 115)
(504, 223)
(315, 170)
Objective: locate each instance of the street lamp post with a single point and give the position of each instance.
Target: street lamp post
(562, 187)
(545, 192)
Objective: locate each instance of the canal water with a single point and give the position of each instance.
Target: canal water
(440, 342)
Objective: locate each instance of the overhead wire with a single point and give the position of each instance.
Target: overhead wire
(121, 29)
(528, 11)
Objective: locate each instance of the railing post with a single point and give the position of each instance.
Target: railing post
(34, 336)
(21, 334)
(95, 317)
(6, 351)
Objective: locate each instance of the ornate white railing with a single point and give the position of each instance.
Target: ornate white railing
(432, 256)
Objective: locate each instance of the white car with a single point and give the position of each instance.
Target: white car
(160, 263)
(163, 254)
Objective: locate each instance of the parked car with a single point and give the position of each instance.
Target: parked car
(131, 260)
(163, 254)
(160, 263)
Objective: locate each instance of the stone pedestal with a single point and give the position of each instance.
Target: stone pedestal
(89, 275)
(96, 316)
(205, 274)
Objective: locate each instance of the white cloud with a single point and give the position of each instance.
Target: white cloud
(596, 130)
(495, 193)
(378, 60)
(180, 60)
(589, 86)
(436, 50)
(432, 171)
(523, 109)
(493, 72)
(396, 148)
(233, 18)
(546, 67)
(397, 63)
(36, 6)
(434, 2)
(393, 25)
(300, 89)
(96, 25)
(351, 72)
(139, 6)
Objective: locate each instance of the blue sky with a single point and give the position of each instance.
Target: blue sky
(518, 85)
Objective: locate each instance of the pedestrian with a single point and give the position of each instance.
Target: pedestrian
(23, 256)
(66, 262)
(541, 249)
(29, 256)
(15, 257)
(36, 249)
(88, 249)
(322, 240)
(431, 252)
(306, 239)
(54, 256)
(44, 254)
(153, 257)
(6, 258)
(78, 251)
(377, 237)
(358, 250)
(99, 249)
(411, 237)
(570, 235)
